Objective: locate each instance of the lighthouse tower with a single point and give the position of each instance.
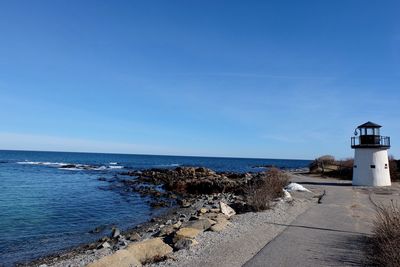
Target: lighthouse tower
(371, 164)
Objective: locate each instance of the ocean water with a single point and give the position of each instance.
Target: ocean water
(50, 201)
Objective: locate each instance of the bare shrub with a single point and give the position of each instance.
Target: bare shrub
(260, 192)
(385, 242)
(346, 163)
(344, 169)
(328, 166)
(394, 167)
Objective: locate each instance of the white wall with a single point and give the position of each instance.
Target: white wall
(363, 174)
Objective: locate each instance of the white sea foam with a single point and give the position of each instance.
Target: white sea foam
(113, 163)
(43, 163)
(101, 168)
(71, 169)
(72, 166)
(115, 167)
(27, 162)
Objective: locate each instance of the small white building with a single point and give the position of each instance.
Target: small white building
(371, 163)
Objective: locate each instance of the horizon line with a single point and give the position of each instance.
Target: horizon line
(143, 154)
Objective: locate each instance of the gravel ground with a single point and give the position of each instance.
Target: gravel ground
(246, 235)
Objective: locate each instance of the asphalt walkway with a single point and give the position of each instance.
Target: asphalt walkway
(332, 233)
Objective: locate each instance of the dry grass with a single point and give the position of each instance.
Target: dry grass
(384, 247)
(268, 187)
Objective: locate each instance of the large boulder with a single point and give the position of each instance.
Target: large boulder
(201, 224)
(186, 232)
(221, 223)
(226, 210)
(218, 227)
(189, 180)
(150, 249)
(121, 258)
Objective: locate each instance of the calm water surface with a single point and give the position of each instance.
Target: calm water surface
(46, 207)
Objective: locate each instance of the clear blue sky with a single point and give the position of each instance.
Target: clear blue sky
(274, 79)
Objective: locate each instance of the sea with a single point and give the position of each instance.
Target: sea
(52, 201)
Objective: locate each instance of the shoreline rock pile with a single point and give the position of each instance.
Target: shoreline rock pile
(192, 181)
(207, 201)
(170, 237)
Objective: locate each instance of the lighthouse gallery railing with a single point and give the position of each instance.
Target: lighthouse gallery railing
(370, 141)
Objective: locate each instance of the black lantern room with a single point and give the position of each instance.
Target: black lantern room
(368, 135)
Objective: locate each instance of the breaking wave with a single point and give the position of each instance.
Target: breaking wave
(72, 166)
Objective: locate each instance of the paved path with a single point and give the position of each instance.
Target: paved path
(328, 234)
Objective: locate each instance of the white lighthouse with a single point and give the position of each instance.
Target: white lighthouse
(371, 163)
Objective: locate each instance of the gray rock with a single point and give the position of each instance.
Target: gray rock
(166, 230)
(115, 232)
(133, 236)
(226, 210)
(104, 245)
(201, 224)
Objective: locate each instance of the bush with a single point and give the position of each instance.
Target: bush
(320, 163)
(385, 242)
(394, 167)
(269, 186)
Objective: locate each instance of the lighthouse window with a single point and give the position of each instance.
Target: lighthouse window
(372, 166)
(386, 166)
(355, 166)
(363, 131)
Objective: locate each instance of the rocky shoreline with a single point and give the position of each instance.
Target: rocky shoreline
(202, 200)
